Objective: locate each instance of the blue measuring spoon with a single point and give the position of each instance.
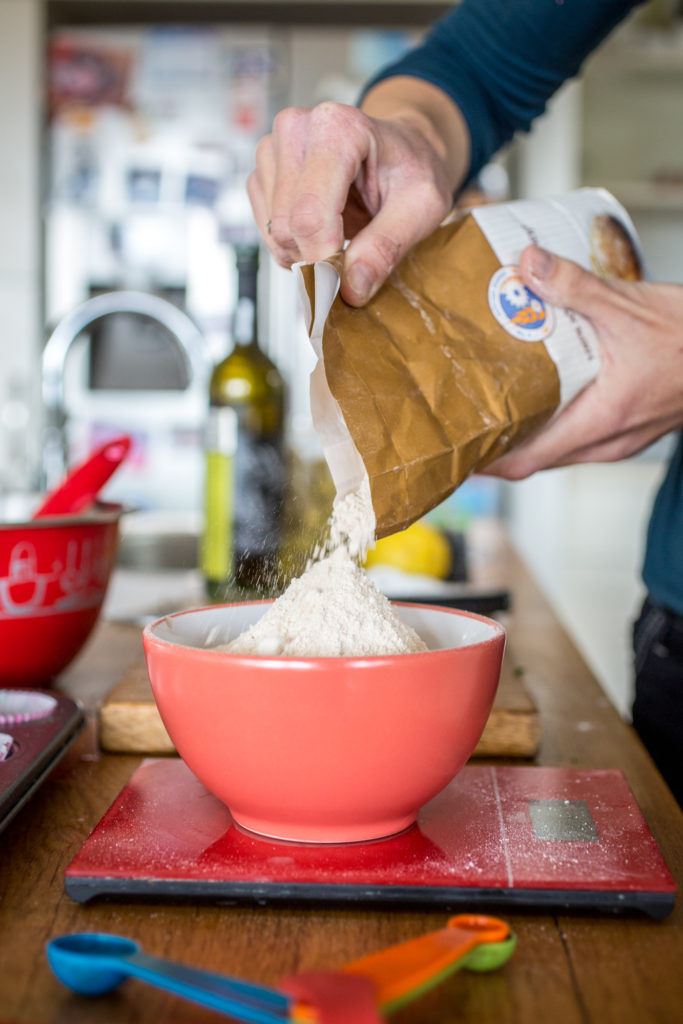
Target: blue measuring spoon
(93, 963)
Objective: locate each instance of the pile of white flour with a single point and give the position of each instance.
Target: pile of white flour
(333, 609)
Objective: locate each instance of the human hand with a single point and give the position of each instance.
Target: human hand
(334, 172)
(637, 396)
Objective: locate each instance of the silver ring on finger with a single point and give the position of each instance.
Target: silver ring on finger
(269, 224)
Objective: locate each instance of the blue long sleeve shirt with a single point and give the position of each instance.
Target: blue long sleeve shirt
(501, 61)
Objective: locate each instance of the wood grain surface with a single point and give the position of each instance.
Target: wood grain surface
(568, 968)
(129, 721)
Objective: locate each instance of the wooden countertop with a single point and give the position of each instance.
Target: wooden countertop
(570, 968)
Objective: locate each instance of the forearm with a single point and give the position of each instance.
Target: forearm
(430, 111)
(500, 62)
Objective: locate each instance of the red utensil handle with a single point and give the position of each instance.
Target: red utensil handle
(82, 484)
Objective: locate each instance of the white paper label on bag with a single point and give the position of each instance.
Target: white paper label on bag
(566, 226)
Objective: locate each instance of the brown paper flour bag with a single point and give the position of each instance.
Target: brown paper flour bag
(454, 361)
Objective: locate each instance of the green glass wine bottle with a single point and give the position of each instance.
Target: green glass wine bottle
(245, 457)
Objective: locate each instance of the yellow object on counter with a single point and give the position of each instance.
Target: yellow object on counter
(421, 548)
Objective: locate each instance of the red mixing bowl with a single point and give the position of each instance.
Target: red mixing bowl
(324, 749)
(54, 574)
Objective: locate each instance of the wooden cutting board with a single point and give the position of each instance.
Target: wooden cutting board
(130, 723)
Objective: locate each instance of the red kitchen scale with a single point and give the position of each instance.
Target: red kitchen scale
(497, 836)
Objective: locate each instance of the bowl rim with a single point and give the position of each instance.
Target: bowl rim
(498, 634)
(98, 513)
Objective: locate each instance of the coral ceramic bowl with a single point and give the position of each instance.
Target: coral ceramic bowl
(325, 750)
(53, 577)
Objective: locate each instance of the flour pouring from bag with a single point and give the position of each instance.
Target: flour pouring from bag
(333, 609)
(454, 361)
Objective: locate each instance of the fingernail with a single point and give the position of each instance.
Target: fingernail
(541, 263)
(360, 281)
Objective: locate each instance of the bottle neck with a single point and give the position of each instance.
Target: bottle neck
(245, 326)
(244, 331)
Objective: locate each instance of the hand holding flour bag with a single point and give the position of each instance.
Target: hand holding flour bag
(454, 361)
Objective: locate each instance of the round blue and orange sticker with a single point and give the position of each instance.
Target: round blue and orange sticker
(517, 308)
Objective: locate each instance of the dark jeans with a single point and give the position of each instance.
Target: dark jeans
(658, 704)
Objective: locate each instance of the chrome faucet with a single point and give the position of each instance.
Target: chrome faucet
(176, 322)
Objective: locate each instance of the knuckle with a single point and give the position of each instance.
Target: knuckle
(577, 281)
(331, 110)
(253, 185)
(438, 196)
(281, 244)
(576, 278)
(567, 282)
(339, 120)
(620, 411)
(280, 234)
(288, 119)
(264, 148)
(515, 466)
(388, 252)
(518, 471)
(431, 200)
(347, 158)
(307, 216)
(283, 257)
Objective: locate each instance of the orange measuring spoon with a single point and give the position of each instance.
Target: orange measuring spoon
(402, 972)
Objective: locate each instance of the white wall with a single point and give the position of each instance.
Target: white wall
(20, 330)
(582, 532)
